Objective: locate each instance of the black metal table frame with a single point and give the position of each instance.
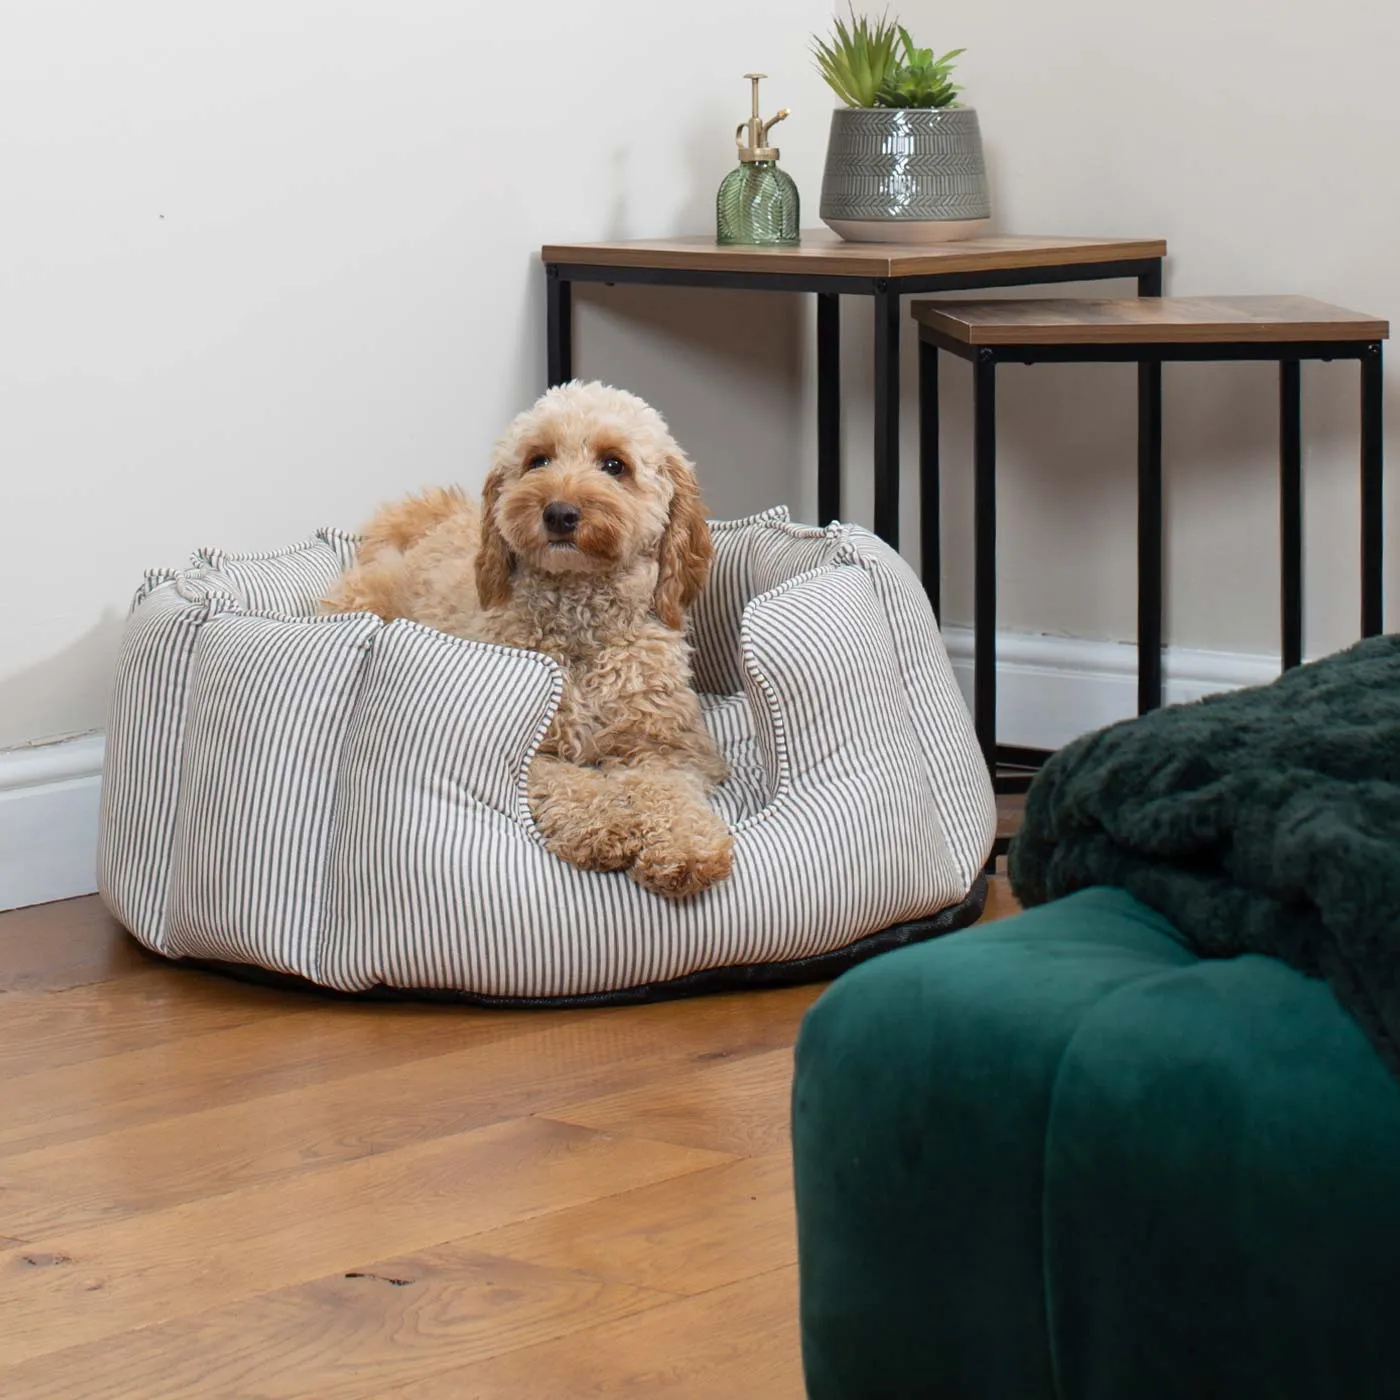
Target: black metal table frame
(561, 276)
(1149, 358)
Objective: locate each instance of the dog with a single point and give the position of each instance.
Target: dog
(589, 545)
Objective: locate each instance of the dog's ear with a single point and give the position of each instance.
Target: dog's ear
(685, 553)
(494, 561)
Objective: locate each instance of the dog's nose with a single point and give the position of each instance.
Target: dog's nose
(562, 517)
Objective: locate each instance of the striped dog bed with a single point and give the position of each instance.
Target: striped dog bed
(300, 795)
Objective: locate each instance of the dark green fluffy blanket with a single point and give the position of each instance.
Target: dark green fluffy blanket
(1261, 821)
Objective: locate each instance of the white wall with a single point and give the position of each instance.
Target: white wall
(264, 265)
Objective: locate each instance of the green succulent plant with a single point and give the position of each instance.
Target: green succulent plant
(858, 59)
(863, 65)
(921, 80)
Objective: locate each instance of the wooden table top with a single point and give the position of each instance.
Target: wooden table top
(822, 253)
(1147, 320)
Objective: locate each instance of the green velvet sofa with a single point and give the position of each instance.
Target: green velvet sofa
(1062, 1158)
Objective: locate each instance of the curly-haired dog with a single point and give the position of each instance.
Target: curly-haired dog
(589, 545)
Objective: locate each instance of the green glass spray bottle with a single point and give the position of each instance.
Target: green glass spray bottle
(757, 203)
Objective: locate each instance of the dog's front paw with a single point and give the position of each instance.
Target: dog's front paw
(599, 849)
(678, 868)
(597, 836)
(586, 818)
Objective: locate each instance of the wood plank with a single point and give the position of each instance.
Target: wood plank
(321, 1041)
(822, 254)
(150, 1007)
(139, 1270)
(686, 1235)
(275, 1137)
(327, 1040)
(735, 1106)
(348, 1336)
(734, 1343)
(1147, 321)
(49, 947)
(1001, 903)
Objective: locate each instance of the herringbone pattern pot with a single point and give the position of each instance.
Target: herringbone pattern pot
(919, 169)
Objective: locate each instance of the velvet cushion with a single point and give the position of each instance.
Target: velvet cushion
(1062, 1157)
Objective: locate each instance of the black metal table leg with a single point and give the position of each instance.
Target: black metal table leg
(1149, 620)
(1290, 459)
(559, 328)
(828, 407)
(984, 624)
(887, 413)
(931, 552)
(1372, 523)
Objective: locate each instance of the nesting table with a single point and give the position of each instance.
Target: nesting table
(1147, 331)
(829, 267)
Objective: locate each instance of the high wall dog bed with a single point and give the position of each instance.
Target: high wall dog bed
(300, 794)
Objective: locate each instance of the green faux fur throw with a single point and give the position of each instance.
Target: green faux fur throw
(1260, 821)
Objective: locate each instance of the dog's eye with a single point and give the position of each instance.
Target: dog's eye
(537, 461)
(614, 466)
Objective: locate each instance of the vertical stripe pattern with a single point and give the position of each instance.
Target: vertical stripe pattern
(944, 730)
(433, 833)
(142, 759)
(346, 801)
(269, 708)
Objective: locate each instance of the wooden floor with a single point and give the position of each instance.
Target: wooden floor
(208, 1189)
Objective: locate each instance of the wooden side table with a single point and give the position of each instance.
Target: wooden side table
(1147, 332)
(827, 266)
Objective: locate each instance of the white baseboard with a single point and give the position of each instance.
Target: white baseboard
(48, 821)
(1052, 689)
(1049, 690)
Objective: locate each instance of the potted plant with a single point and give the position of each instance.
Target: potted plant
(904, 160)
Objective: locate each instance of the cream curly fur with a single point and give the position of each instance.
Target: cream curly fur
(622, 779)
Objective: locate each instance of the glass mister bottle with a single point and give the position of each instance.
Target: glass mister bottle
(757, 203)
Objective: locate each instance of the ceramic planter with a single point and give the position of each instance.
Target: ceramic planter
(905, 175)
